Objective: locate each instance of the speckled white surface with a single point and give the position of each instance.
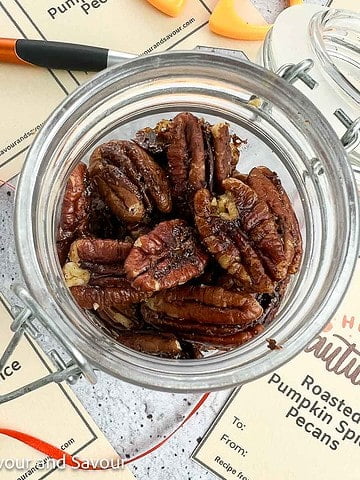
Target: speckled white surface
(133, 418)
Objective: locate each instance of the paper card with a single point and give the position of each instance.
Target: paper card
(302, 421)
(51, 413)
(134, 26)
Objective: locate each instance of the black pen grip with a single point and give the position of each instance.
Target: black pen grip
(65, 56)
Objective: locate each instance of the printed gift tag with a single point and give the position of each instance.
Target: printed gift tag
(303, 420)
(52, 413)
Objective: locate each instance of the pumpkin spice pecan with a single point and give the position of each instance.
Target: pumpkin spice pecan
(74, 212)
(94, 297)
(172, 249)
(168, 256)
(130, 182)
(242, 229)
(207, 305)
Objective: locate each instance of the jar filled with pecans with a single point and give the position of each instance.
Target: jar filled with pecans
(274, 127)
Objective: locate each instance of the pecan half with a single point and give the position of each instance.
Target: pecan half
(207, 305)
(243, 233)
(100, 258)
(225, 342)
(161, 344)
(116, 318)
(226, 152)
(97, 250)
(75, 211)
(167, 256)
(164, 322)
(218, 224)
(198, 155)
(93, 297)
(186, 156)
(129, 180)
(269, 189)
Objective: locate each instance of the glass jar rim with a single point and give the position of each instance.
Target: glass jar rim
(165, 374)
(334, 26)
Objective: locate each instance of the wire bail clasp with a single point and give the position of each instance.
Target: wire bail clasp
(292, 72)
(24, 323)
(351, 138)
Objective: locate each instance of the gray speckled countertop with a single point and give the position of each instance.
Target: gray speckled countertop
(133, 418)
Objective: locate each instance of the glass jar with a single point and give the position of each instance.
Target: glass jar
(293, 138)
(331, 39)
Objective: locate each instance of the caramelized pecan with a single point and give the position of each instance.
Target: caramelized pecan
(161, 344)
(129, 180)
(100, 258)
(217, 221)
(269, 189)
(97, 250)
(207, 305)
(164, 322)
(226, 152)
(260, 227)
(243, 233)
(116, 318)
(186, 156)
(198, 155)
(94, 297)
(225, 342)
(167, 256)
(75, 211)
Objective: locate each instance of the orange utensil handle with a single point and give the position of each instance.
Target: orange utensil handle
(8, 52)
(67, 56)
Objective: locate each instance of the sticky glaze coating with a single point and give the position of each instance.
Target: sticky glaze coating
(171, 248)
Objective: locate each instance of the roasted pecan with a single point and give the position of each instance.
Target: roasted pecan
(153, 343)
(225, 342)
(97, 250)
(218, 223)
(226, 152)
(242, 232)
(178, 326)
(94, 297)
(186, 156)
(207, 305)
(269, 189)
(116, 318)
(167, 256)
(100, 258)
(198, 155)
(129, 180)
(75, 211)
